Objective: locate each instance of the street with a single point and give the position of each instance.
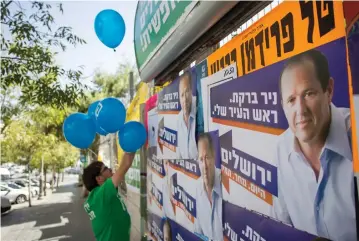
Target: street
(59, 216)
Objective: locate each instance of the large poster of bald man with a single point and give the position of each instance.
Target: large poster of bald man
(292, 150)
(177, 118)
(285, 125)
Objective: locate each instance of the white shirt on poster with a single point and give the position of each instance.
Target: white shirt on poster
(186, 136)
(167, 205)
(324, 207)
(209, 216)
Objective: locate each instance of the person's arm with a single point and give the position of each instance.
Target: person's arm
(120, 173)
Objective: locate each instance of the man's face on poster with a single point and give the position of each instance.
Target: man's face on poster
(166, 232)
(206, 162)
(306, 105)
(185, 95)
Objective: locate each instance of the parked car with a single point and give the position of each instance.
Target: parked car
(36, 182)
(14, 195)
(19, 175)
(24, 185)
(5, 204)
(5, 174)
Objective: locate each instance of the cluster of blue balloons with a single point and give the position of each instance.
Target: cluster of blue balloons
(104, 117)
(110, 28)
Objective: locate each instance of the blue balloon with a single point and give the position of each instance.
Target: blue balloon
(110, 28)
(91, 111)
(79, 130)
(110, 114)
(100, 131)
(132, 136)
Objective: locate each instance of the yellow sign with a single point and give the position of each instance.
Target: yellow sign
(133, 111)
(288, 30)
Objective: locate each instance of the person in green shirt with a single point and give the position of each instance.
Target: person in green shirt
(107, 211)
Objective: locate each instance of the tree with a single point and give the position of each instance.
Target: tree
(56, 156)
(20, 143)
(49, 121)
(27, 59)
(36, 140)
(9, 107)
(107, 85)
(64, 155)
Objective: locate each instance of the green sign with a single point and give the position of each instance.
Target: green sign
(132, 177)
(155, 21)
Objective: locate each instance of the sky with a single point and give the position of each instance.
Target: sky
(80, 15)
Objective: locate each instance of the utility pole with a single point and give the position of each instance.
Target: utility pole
(132, 89)
(110, 150)
(41, 177)
(29, 186)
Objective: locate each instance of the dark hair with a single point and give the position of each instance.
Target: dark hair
(187, 74)
(207, 136)
(90, 173)
(320, 64)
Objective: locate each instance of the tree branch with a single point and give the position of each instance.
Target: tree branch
(17, 58)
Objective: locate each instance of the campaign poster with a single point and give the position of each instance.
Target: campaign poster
(158, 228)
(201, 72)
(284, 123)
(177, 118)
(152, 127)
(179, 233)
(189, 183)
(179, 191)
(155, 177)
(165, 229)
(228, 73)
(208, 224)
(241, 224)
(150, 104)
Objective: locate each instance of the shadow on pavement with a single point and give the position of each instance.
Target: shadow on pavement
(72, 187)
(63, 219)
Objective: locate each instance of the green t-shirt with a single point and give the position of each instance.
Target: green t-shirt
(108, 213)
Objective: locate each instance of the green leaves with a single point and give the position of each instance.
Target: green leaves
(36, 135)
(28, 62)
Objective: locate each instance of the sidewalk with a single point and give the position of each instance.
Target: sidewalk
(59, 216)
(34, 201)
(132, 201)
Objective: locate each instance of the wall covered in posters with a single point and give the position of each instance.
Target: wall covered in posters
(274, 158)
(291, 95)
